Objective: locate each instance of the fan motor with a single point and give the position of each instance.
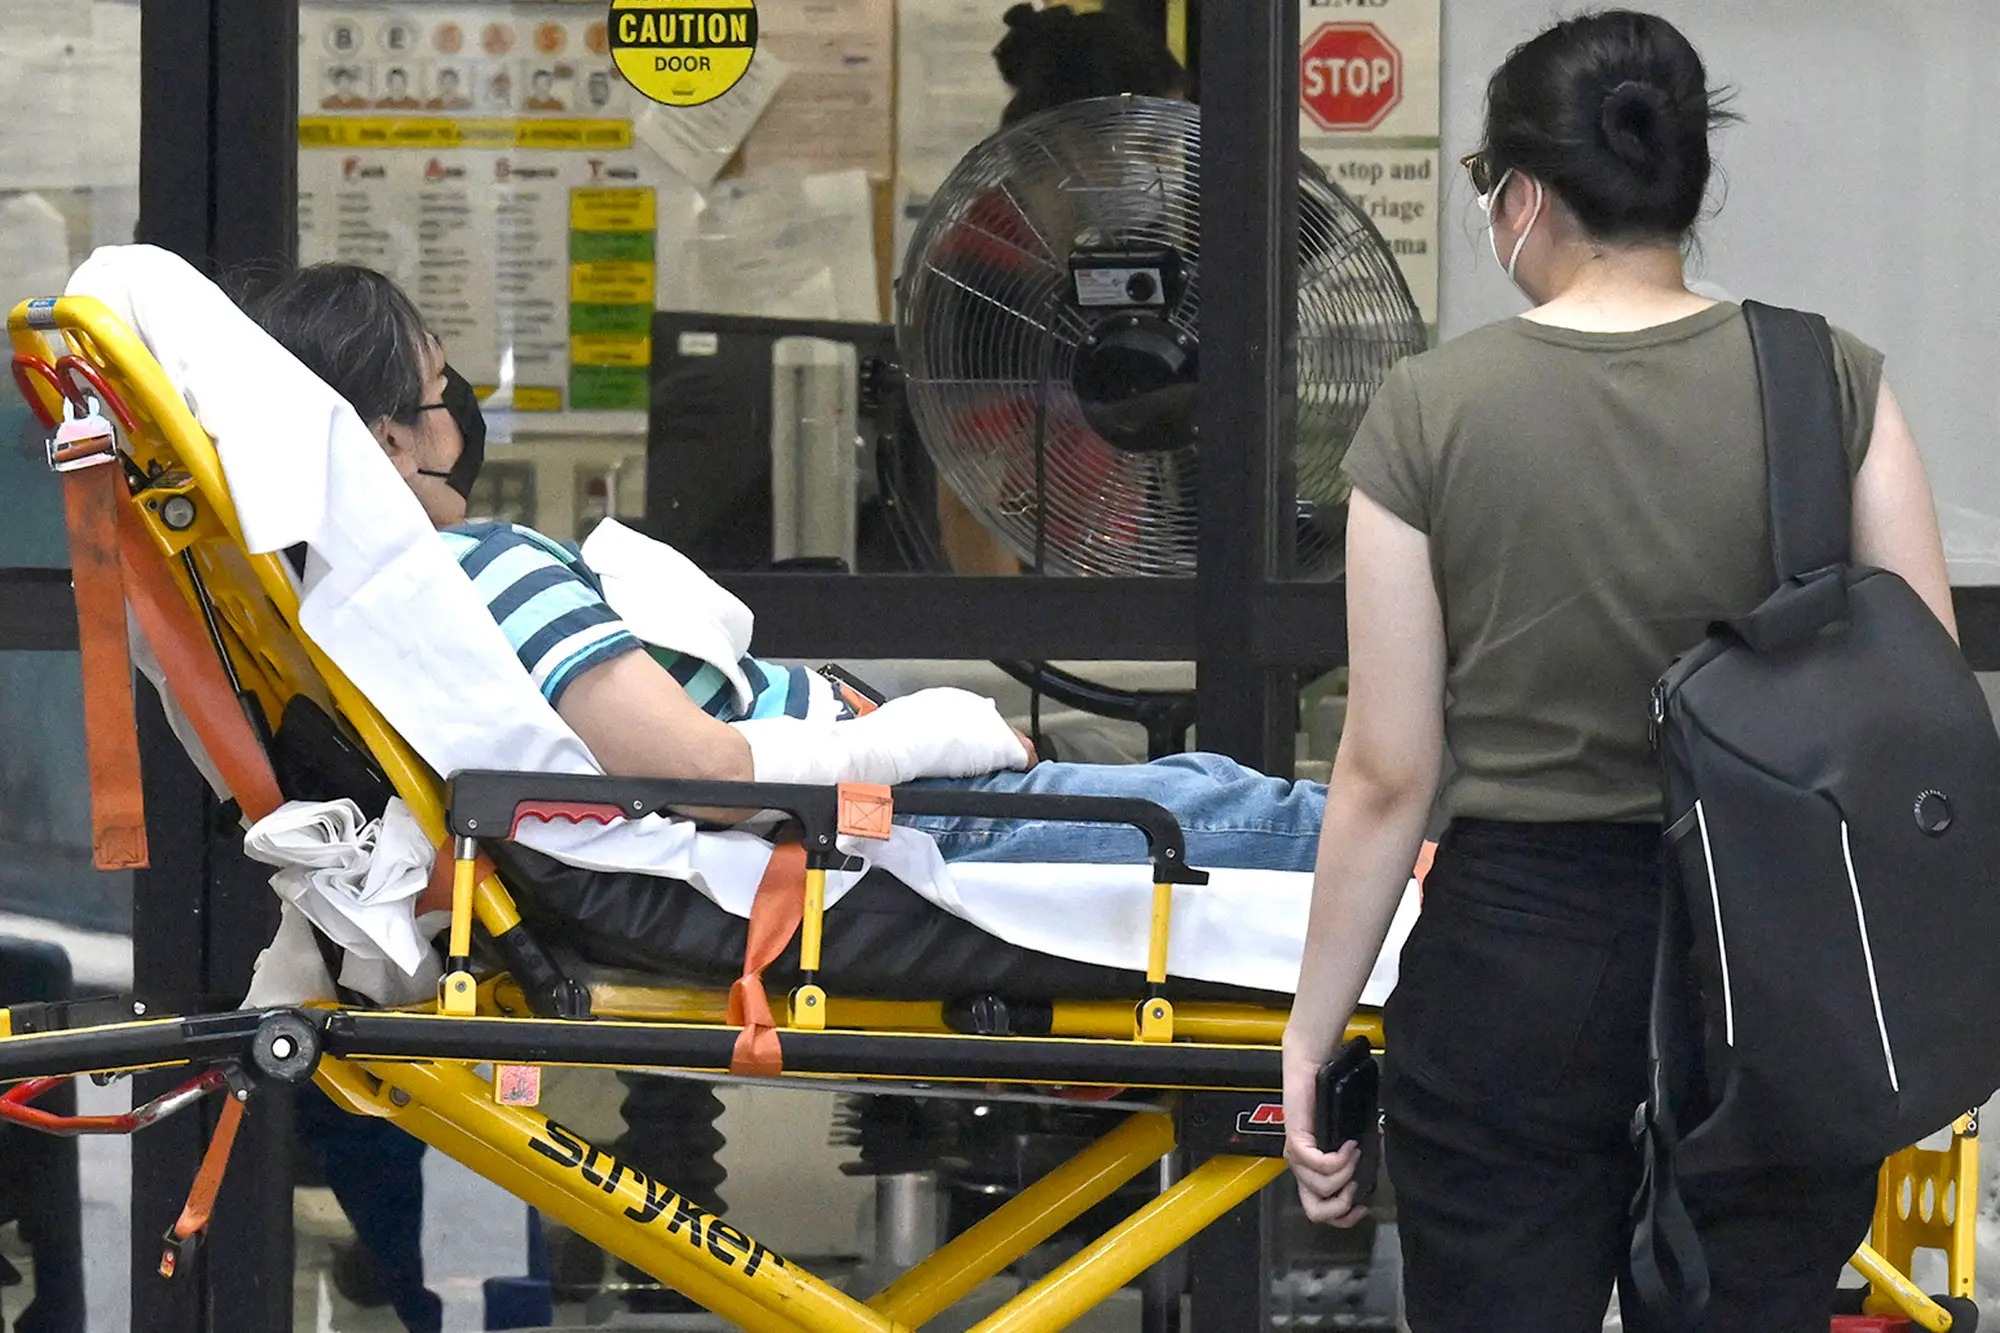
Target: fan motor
(1134, 376)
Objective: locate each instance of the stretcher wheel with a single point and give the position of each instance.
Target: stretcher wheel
(1964, 1314)
(285, 1048)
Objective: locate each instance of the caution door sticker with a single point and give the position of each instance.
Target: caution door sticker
(683, 52)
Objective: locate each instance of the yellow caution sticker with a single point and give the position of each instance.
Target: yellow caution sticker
(683, 52)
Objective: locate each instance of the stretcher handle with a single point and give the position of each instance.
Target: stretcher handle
(490, 804)
(481, 803)
(1164, 843)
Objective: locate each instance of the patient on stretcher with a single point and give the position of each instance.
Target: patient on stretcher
(648, 661)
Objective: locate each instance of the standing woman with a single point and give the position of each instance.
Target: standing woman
(1546, 512)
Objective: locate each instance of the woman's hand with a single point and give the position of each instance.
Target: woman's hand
(1325, 1179)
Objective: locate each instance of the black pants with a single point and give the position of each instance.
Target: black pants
(1516, 1055)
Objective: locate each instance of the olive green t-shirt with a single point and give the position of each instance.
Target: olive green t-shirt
(1594, 501)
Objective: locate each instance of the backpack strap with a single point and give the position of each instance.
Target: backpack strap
(1804, 454)
(1668, 1269)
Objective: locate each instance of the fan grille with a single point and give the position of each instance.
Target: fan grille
(989, 334)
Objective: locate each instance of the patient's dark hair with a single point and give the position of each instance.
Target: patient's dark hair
(1055, 55)
(1612, 111)
(355, 329)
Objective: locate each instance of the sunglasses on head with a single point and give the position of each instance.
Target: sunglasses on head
(1479, 168)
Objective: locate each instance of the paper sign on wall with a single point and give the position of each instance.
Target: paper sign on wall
(1369, 112)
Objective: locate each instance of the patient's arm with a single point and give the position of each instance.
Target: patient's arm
(640, 723)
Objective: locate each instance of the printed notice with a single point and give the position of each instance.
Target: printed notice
(1369, 113)
(485, 157)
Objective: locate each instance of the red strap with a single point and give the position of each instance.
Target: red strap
(775, 914)
(201, 1195)
(194, 675)
(92, 498)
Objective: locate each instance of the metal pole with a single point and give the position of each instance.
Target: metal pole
(1249, 278)
(218, 173)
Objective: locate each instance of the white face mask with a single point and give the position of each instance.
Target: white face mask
(1486, 203)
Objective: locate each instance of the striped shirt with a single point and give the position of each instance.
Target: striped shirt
(551, 607)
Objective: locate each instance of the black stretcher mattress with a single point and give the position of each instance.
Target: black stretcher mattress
(882, 940)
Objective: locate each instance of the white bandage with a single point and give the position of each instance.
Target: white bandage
(935, 733)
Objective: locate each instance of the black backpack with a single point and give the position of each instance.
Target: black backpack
(1830, 940)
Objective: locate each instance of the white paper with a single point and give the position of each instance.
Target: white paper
(949, 93)
(834, 111)
(698, 141)
(784, 246)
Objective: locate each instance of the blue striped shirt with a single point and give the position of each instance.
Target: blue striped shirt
(551, 607)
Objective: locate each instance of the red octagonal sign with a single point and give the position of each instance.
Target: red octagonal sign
(1350, 76)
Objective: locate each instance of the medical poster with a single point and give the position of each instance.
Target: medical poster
(1369, 112)
(484, 157)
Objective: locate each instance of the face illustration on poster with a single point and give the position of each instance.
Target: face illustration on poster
(448, 90)
(500, 88)
(344, 89)
(542, 92)
(497, 38)
(396, 94)
(596, 39)
(598, 89)
(448, 38)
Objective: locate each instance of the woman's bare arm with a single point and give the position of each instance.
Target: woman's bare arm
(1895, 520)
(1384, 783)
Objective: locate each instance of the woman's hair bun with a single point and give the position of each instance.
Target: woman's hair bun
(1634, 124)
(1612, 110)
(1020, 15)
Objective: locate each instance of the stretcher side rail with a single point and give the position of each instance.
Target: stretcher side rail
(483, 803)
(493, 804)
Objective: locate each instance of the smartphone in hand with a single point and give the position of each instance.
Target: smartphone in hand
(1347, 1110)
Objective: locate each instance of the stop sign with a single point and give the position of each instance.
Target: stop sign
(1350, 76)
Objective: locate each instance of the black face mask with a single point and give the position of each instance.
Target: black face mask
(463, 405)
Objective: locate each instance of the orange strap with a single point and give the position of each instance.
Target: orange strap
(866, 810)
(1425, 855)
(193, 1221)
(187, 659)
(857, 702)
(92, 498)
(775, 914)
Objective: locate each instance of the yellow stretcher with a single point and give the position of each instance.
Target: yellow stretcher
(153, 526)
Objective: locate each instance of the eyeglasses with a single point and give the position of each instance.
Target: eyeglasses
(1479, 168)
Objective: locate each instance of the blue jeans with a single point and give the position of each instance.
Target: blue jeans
(1232, 816)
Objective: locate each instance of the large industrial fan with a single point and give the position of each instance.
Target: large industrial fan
(1048, 333)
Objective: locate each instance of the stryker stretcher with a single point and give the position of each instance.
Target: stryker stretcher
(928, 997)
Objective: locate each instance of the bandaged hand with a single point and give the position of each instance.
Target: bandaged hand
(934, 733)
